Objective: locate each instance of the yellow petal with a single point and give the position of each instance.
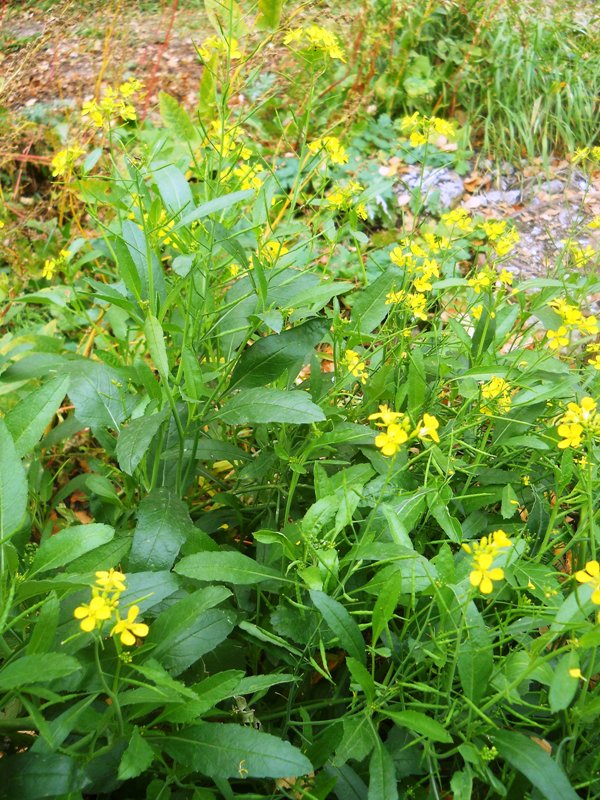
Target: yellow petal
(593, 567)
(582, 576)
(486, 585)
(88, 624)
(127, 638)
(475, 577)
(140, 629)
(496, 574)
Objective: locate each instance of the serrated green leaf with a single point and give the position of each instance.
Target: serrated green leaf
(13, 486)
(271, 355)
(382, 774)
(176, 117)
(342, 625)
(137, 757)
(541, 769)
(135, 439)
(162, 527)
(69, 544)
(31, 669)
(256, 406)
(419, 723)
(227, 567)
(28, 420)
(223, 750)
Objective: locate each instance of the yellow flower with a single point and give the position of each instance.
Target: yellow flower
(248, 176)
(575, 672)
(417, 139)
(588, 325)
(343, 197)
(49, 268)
(111, 580)
(355, 366)
(595, 362)
(580, 255)
(274, 250)
(216, 46)
(571, 435)
(128, 628)
(130, 87)
(506, 277)
(315, 40)
(92, 110)
(428, 428)
(558, 338)
(481, 575)
(482, 280)
(391, 440)
(459, 219)
(386, 416)
(494, 228)
(64, 160)
(591, 574)
(497, 390)
(332, 147)
(94, 613)
(506, 242)
(594, 224)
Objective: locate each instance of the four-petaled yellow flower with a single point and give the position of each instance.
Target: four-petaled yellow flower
(428, 428)
(128, 629)
(332, 147)
(483, 574)
(391, 440)
(93, 613)
(497, 390)
(571, 434)
(386, 415)
(591, 575)
(355, 365)
(558, 338)
(111, 580)
(315, 40)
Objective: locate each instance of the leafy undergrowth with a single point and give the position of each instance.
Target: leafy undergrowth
(292, 503)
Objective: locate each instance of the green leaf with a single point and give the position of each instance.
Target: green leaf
(256, 406)
(136, 759)
(176, 117)
(13, 486)
(564, 685)
(475, 655)
(369, 307)
(385, 605)
(382, 774)
(267, 358)
(173, 188)
(186, 644)
(270, 14)
(226, 566)
(419, 723)
(28, 420)
(32, 669)
(341, 624)
(223, 750)
(361, 675)
(484, 334)
(155, 340)
(43, 634)
(68, 544)
(162, 527)
(135, 439)
(213, 206)
(542, 770)
(32, 776)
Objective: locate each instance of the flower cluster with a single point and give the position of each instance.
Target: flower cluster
(397, 429)
(63, 162)
(458, 219)
(115, 103)
(215, 46)
(315, 40)
(426, 130)
(586, 154)
(484, 553)
(332, 148)
(355, 366)
(104, 605)
(579, 256)
(572, 320)
(415, 303)
(577, 422)
(225, 141)
(497, 392)
(343, 198)
(52, 265)
(591, 575)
